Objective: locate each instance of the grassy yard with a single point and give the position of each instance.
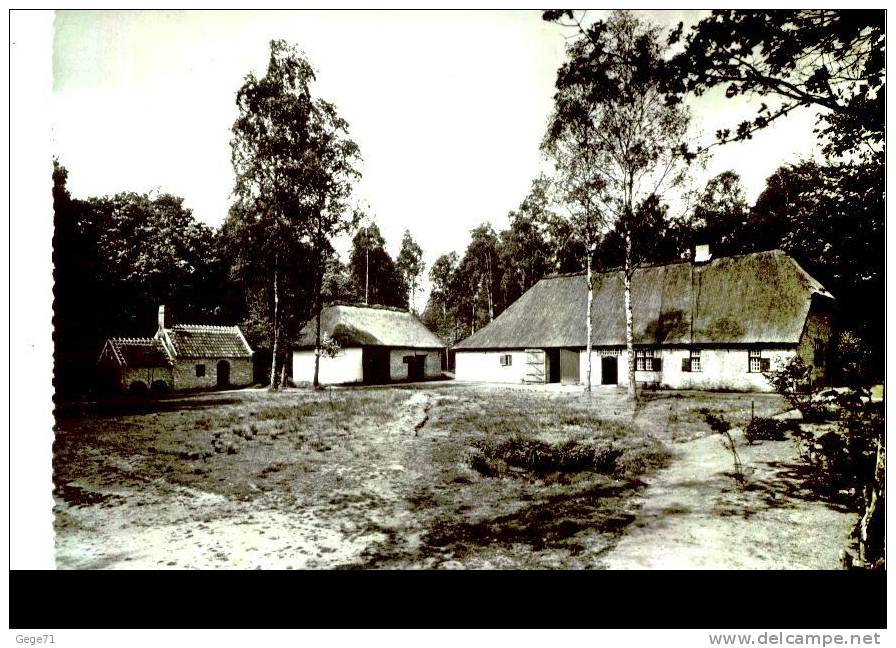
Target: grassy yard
(359, 478)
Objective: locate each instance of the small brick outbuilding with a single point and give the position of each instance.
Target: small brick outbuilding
(183, 356)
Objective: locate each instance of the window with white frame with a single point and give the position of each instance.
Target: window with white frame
(695, 360)
(645, 360)
(819, 353)
(755, 361)
(506, 360)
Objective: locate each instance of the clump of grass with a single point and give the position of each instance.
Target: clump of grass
(769, 429)
(541, 458)
(271, 469)
(320, 445)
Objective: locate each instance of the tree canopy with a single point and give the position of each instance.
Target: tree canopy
(410, 266)
(826, 58)
(373, 273)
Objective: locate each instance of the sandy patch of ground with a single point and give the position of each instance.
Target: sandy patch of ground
(164, 525)
(694, 515)
(376, 478)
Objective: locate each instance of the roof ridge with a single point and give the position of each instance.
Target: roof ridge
(394, 309)
(581, 273)
(204, 327)
(127, 340)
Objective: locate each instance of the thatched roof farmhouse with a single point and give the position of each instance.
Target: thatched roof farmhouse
(706, 325)
(377, 344)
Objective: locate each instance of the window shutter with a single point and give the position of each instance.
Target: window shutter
(657, 364)
(685, 364)
(765, 364)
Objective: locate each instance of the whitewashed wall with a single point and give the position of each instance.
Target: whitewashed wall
(398, 369)
(346, 367)
(720, 369)
(485, 366)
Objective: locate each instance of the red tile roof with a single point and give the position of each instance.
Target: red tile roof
(139, 352)
(199, 341)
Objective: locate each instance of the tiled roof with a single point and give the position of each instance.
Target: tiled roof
(198, 341)
(139, 352)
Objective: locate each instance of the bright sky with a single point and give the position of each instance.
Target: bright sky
(448, 108)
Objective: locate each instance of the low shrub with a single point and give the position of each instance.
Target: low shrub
(843, 462)
(480, 463)
(769, 429)
(541, 458)
(720, 425)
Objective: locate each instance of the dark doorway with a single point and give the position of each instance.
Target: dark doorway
(609, 370)
(223, 373)
(416, 367)
(375, 365)
(553, 360)
(569, 366)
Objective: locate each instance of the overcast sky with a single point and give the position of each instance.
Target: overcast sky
(448, 108)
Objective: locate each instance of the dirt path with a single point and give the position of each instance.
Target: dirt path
(693, 515)
(167, 526)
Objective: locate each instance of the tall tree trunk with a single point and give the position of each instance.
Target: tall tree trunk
(629, 318)
(317, 308)
(274, 346)
(491, 301)
(473, 317)
(588, 332)
(871, 526)
(366, 265)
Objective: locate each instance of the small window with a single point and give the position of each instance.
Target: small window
(200, 370)
(755, 360)
(695, 360)
(819, 353)
(506, 360)
(645, 360)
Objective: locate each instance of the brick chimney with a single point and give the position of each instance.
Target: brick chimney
(161, 317)
(702, 254)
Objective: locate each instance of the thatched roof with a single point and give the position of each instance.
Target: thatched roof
(760, 298)
(200, 341)
(355, 326)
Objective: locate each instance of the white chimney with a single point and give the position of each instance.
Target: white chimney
(161, 317)
(702, 254)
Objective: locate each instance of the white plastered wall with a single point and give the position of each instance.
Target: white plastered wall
(485, 366)
(346, 367)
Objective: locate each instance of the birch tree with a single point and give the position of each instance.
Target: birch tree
(294, 167)
(612, 117)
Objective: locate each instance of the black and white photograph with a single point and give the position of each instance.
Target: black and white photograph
(455, 289)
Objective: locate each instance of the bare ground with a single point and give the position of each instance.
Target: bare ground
(376, 478)
(695, 515)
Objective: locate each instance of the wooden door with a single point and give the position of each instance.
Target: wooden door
(535, 361)
(569, 366)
